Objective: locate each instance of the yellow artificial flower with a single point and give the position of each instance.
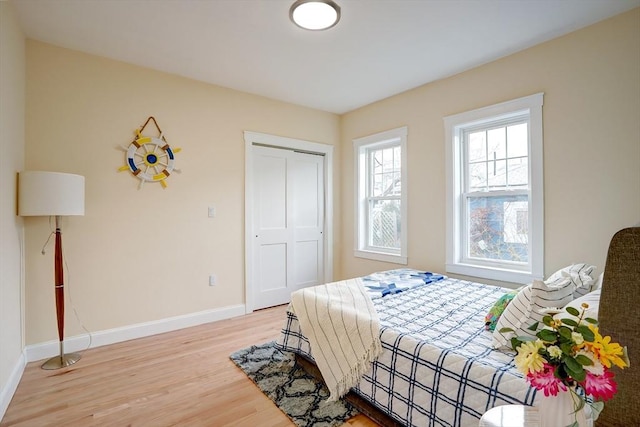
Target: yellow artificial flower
(606, 351)
(577, 338)
(528, 358)
(554, 351)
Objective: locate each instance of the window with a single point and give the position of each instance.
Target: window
(381, 212)
(495, 191)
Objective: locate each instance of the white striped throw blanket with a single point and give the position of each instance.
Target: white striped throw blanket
(343, 330)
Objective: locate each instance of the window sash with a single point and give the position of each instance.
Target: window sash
(466, 239)
(499, 192)
(492, 125)
(390, 190)
(370, 244)
(370, 199)
(491, 117)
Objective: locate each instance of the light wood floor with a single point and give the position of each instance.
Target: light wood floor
(181, 378)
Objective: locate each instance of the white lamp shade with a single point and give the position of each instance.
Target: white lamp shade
(50, 193)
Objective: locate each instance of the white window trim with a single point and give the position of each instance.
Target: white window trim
(453, 124)
(393, 136)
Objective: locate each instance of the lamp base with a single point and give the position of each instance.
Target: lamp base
(62, 361)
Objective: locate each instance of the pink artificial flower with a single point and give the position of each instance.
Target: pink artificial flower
(545, 380)
(601, 387)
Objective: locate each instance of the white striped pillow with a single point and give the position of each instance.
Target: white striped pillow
(525, 308)
(580, 275)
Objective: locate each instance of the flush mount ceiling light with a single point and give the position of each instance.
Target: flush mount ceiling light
(315, 14)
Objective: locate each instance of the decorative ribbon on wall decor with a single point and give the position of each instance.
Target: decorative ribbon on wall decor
(150, 158)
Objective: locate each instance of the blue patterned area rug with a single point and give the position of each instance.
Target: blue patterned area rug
(302, 398)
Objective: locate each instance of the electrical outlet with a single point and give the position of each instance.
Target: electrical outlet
(211, 212)
(212, 279)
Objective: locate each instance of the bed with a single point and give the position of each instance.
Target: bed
(438, 365)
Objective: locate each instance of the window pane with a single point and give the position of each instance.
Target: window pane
(518, 170)
(477, 176)
(516, 222)
(376, 157)
(397, 184)
(517, 137)
(477, 147)
(497, 144)
(377, 185)
(384, 224)
(498, 228)
(388, 184)
(386, 172)
(387, 159)
(497, 174)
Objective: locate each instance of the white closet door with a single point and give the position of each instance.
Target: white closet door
(288, 223)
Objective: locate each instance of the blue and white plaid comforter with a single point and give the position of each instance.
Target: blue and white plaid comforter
(437, 367)
(395, 281)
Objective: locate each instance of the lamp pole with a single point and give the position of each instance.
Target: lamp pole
(62, 360)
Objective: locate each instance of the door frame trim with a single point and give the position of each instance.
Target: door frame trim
(256, 138)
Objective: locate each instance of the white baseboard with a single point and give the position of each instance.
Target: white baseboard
(111, 336)
(9, 389)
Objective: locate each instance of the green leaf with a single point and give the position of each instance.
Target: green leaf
(515, 343)
(505, 330)
(548, 320)
(565, 332)
(584, 360)
(572, 311)
(569, 322)
(534, 327)
(579, 375)
(572, 364)
(586, 333)
(574, 369)
(591, 320)
(547, 335)
(567, 348)
(559, 372)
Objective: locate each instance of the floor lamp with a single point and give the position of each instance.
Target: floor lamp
(53, 194)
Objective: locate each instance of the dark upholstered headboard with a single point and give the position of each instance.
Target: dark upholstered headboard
(619, 317)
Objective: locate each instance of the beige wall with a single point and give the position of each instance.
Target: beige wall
(143, 255)
(12, 104)
(591, 113)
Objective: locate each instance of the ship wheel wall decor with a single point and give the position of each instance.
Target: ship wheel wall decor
(150, 158)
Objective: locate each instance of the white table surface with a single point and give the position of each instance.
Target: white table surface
(511, 416)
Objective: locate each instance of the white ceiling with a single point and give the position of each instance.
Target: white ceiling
(378, 49)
